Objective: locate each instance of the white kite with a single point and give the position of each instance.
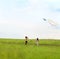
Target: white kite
(52, 23)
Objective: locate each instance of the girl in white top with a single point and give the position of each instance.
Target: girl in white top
(37, 41)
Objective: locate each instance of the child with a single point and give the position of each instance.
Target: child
(26, 40)
(37, 41)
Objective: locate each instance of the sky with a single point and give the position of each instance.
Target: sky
(20, 18)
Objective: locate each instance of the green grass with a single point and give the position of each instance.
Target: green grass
(15, 49)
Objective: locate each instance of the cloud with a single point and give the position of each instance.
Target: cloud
(33, 2)
(54, 5)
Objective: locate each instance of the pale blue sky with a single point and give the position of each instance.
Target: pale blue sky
(24, 17)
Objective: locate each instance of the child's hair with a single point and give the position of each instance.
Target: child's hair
(26, 37)
(37, 39)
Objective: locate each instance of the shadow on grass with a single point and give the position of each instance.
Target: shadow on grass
(49, 44)
(22, 43)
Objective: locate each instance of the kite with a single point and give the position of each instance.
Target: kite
(52, 23)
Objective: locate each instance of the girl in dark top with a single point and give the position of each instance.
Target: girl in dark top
(26, 40)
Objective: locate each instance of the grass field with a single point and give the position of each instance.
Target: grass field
(15, 49)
